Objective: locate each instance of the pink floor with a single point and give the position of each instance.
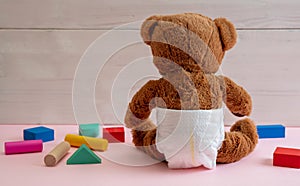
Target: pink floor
(28, 169)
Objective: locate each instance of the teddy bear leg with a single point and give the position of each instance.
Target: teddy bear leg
(150, 145)
(248, 128)
(145, 141)
(239, 142)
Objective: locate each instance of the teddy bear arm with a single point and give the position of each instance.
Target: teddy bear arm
(236, 98)
(141, 105)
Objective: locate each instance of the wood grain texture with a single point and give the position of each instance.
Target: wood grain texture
(104, 14)
(38, 67)
(37, 73)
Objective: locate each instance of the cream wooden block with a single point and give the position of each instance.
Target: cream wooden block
(55, 155)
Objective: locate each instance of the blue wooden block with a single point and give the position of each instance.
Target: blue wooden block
(271, 131)
(41, 132)
(91, 130)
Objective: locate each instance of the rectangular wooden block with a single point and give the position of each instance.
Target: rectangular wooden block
(91, 129)
(271, 131)
(286, 157)
(17, 147)
(43, 133)
(114, 134)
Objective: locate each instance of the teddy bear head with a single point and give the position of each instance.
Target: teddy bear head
(190, 41)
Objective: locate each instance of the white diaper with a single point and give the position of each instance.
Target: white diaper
(189, 138)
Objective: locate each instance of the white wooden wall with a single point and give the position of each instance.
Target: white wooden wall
(41, 43)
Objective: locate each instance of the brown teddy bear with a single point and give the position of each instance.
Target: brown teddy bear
(188, 50)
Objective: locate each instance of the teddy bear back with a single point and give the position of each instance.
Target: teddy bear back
(189, 92)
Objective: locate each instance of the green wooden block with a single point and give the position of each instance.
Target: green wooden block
(83, 155)
(91, 130)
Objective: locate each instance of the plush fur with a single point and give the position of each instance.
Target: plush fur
(188, 50)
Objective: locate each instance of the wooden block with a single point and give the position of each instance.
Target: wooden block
(53, 157)
(271, 131)
(43, 133)
(83, 155)
(286, 157)
(93, 143)
(91, 130)
(114, 134)
(17, 147)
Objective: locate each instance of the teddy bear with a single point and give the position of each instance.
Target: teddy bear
(188, 50)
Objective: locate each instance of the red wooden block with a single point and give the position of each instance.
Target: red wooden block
(286, 157)
(114, 134)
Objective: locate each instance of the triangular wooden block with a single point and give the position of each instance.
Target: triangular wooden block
(83, 155)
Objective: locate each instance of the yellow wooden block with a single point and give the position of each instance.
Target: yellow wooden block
(98, 144)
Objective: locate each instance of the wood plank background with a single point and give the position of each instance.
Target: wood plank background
(103, 14)
(41, 43)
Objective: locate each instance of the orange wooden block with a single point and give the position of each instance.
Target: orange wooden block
(286, 157)
(114, 134)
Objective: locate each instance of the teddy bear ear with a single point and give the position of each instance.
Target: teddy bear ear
(227, 32)
(147, 28)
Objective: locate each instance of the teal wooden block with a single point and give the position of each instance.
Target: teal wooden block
(91, 129)
(83, 155)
